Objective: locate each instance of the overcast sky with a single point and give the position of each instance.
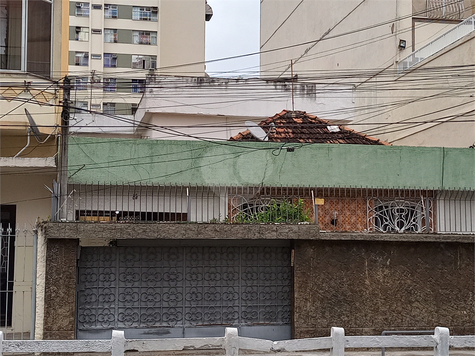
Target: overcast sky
(233, 30)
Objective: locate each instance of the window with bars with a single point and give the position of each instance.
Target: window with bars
(145, 13)
(110, 35)
(82, 9)
(111, 11)
(82, 59)
(110, 84)
(110, 60)
(145, 37)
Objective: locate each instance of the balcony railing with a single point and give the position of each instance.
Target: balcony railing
(333, 209)
(464, 28)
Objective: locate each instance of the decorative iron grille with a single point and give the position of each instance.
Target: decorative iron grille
(400, 215)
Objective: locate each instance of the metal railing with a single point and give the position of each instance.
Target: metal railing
(333, 209)
(233, 344)
(462, 29)
(16, 276)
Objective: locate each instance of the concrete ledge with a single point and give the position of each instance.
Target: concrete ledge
(120, 231)
(20, 162)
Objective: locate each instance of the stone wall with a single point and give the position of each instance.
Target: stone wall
(60, 289)
(367, 287)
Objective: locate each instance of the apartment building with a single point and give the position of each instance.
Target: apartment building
(114, 45)
(408, 62)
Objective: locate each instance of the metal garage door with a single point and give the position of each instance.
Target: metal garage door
(184, 291)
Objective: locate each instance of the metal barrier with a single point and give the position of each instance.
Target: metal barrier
(333, 209)
(16, 276)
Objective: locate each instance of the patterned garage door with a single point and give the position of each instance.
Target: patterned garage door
(185, 291)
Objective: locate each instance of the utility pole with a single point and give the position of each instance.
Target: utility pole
(63, 163)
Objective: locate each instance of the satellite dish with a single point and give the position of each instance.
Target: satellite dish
(33, 126)
(256, 131)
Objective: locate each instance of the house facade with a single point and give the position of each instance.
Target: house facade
(29, 130)
(181, 238)
(409, 62)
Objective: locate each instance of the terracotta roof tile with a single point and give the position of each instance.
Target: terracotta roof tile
(298, 126)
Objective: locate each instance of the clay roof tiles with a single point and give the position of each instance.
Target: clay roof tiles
(298, 126)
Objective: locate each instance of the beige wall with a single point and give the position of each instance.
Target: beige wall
(182, 37)
(331, 21)
(446, 99)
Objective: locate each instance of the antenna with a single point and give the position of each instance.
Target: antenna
(256, 131)
(33, 126)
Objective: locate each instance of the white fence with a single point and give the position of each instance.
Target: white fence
(231, 343)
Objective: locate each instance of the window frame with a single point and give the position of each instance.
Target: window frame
(85, 34)
(145, 13)
(85, 9)
(138, 86)
(147, 62)
(110, 85)
(81, 59)
(80, 83)
(108, 108)
(110, 60)
(144, 37)
(111, 35)
(109, 10)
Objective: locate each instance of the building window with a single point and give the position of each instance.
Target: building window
(96, 56)
(82, 9)
(35, 52)
(80, 83)
(111, 11)
(82, 59)
(96, 31)
(110, 36)
(110, 84)
(96, 107)
(80, 106)
(110, 60)
(145, 13)
(82, 34)
(138, 85)
(96, 7)
(145, 37)
(144, 62)
(108, 108)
